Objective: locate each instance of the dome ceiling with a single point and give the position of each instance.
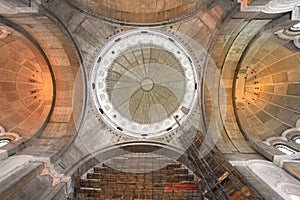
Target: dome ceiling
(147, 86)
(26, 89)
(268, 87)
(142, 81)
(141, 11)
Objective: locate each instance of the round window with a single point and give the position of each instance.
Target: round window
(4, 142)
(296, 139)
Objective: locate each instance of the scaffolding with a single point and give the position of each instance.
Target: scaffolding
(151, 176)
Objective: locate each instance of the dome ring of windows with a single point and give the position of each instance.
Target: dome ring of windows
(144, 83)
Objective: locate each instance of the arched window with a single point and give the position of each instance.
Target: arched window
(4, 142)
(296, 139)
(296, 27)
(7, 137)
(285, 149)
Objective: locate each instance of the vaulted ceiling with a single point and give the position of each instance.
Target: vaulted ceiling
(57, 56)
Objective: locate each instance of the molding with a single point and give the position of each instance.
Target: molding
(10, 135)
(56, 177)
(289, 35)
(246, 163)
(285, 133)
(13, 136)
(13, 164)
(9, 8)
(281, 159)
(276, 178)
(272, 7)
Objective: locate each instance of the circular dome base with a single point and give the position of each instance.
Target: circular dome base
(144, 83)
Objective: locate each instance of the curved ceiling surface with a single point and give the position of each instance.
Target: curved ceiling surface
(143, 80)
(26, 89)
(268, 87)
(141, 11)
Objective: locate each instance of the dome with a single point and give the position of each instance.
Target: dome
(267, 88)
(144, 83)
(26, 89)
(137, 11)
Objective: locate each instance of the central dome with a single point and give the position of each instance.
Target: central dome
(144, 83)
